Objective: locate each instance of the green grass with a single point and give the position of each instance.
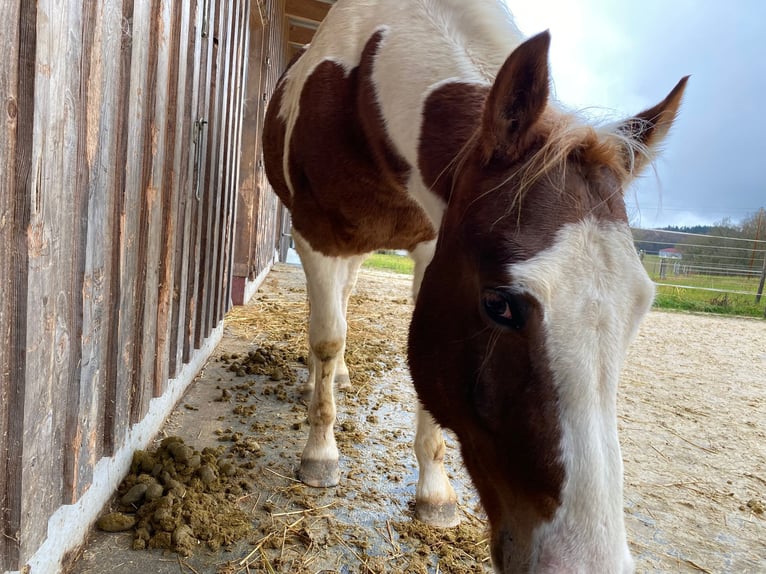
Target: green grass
(677, 298)
(690, 292)
(682, 299)
(390, 262)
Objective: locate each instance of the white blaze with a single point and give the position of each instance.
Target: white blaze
(594, 292)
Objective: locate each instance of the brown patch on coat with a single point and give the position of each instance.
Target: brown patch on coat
(492, 387)
(456, 106)
(274, 144)
(349, 194)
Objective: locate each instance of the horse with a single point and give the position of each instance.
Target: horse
(428, 125)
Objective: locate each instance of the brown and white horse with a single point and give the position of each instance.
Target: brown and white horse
(407, 116)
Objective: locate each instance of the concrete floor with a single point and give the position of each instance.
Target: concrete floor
(357, 532)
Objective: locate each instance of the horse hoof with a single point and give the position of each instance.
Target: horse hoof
(319, 473)
(440, 515)
(343, 382)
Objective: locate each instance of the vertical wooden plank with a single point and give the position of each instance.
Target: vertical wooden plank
(271, 67)
(152, 224)
(18, 38)
(225, 153)
(152, 196)
(269, 216)
(101, 107)
(130, 204)
(242, 64)
(186, 243)
(281, 222)
(230, 157)
(82, 439)
(117, 379)
(210, 189)
(217, 190)
(56, 261)
(247, 193)
(196, 269)
(177, 130)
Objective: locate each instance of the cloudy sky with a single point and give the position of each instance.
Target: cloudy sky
(621, 57)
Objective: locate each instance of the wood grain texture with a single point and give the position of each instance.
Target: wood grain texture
(116, 376)
(54, 287)
(229, 157)
(130, 202)
(153, 225)
(271, 222)
(250, 152)
(145, 200)
(247, 160)
(18, 29)
(243, 63)
(82, 425)
(259, 220)
(171, 186)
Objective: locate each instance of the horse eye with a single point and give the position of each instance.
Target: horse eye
(504, 308)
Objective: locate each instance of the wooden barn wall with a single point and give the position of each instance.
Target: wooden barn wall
(259, 212)
(121, 123)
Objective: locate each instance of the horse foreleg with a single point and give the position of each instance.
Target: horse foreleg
(349, 276)
(319, 461)
(435, 500)
(329, 281)
(346, 273)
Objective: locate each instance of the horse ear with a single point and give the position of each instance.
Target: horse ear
(517, 98)
(650, 127)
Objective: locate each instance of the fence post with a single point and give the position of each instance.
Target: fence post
(760, 285)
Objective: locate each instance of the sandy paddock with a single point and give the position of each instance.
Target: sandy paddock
(692, 426)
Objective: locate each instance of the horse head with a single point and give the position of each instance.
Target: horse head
(526, 312)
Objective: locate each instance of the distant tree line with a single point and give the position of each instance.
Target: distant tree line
(712, 249)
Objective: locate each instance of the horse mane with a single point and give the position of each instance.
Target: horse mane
(616, 146)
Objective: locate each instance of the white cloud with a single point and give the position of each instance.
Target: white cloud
(623, 57)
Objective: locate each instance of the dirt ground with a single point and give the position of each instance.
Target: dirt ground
(692, 426)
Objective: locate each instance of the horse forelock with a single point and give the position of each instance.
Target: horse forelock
(560, 139)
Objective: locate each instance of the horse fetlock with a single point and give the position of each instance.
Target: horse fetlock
(321, 418)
